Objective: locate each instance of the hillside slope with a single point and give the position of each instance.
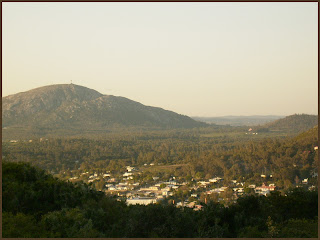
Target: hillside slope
(69, 106)
(295, 123)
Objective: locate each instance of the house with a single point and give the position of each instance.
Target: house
(264, 190)
(315, 148)
(203, 183)
(111, 180)
(171, 183)
(153, 188)
(141, 201)
(191, 205)
(305, 181)
(127, 174)
(218, 190)
(123, 184)
(165, 193)
(312, 188)
(129, 169)
(166, 189)
(198, 207)
(239, 190)
(216, 179)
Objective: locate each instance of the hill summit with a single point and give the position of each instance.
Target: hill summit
(294, 123)
(69, 106)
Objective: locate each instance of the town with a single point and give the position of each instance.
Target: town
(190, 194)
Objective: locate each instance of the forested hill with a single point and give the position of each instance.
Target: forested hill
(294, 123)
(73, 107)
(239, 120)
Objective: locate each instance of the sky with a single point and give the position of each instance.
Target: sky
(197, 59)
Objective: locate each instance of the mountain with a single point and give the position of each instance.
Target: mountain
(294, 123)
(238, 120)
(72, 107)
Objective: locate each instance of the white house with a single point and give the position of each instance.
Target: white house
(141, 201)
(130, 169)
(127, 174)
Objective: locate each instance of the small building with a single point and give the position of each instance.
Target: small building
(130, 169)
(191, 205)
(204, 183)
(198, 207)
(127, 174)
(141, 201)
(264, 190)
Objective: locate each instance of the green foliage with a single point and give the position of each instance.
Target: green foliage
(294, 123)
(178, 152)
(77, 210)
(21, 225)
(69, 223)
(299, 228)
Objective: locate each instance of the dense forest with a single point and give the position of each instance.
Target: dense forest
(199, 155)
(294, 123)
(36, 204)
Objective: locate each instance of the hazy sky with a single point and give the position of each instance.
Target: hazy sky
(197, 59)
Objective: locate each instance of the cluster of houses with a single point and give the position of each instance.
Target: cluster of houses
(134, 193)
(125, 187)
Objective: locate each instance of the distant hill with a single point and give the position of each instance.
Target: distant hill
(295, 123)
(69, 107)
(239, 120)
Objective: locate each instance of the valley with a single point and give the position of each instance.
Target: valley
(130, 158)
